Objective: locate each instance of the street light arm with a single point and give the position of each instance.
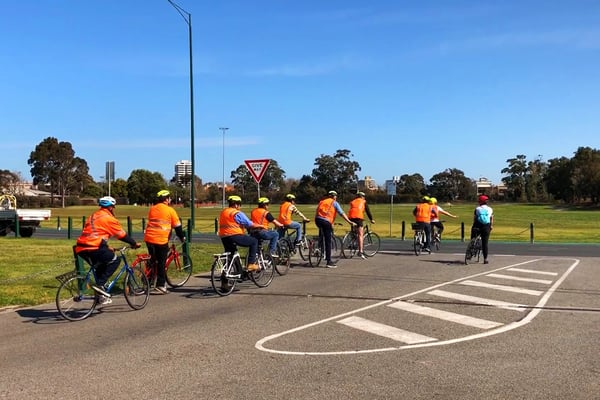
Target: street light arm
(181, 12)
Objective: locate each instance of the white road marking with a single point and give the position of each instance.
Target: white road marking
(445, 315)
(390, 332)
(521, 279)
(534, 311)
(478, 300)
(533, 271)
(502, 287)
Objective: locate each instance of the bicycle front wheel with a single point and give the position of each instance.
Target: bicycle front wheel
(178, 270)
(282, 264)
(336, 248)
(221, 284)
(304, 248)
(371, 244)
(469, 252)
(75, 298)
(136, 288)
(349, 245)
(264, 276)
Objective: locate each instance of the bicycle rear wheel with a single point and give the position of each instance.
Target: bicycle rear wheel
(418, 243)
(315, 253)
(282, 264)
(336, 248)
(349, 245)
(136, 288)
(264, 276)
(371, 244)
(178, 270)
(304, 248)
(470, 252)
(436, 241)
(221, 283)
(75, 298)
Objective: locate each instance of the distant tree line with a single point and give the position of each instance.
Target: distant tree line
(55, 166)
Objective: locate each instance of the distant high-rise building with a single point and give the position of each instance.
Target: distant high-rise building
(183, 171)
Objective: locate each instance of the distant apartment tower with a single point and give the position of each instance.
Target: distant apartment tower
(183, 171)
(367, 184)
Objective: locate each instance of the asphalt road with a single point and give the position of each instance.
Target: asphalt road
(395, 326)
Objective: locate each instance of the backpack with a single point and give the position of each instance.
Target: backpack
(483, 216)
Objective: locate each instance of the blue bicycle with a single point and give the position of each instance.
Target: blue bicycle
(76, 299)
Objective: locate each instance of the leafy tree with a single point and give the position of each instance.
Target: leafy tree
(337, 172)
(535, 185)
(54, 163)
(8, 181)
(245, 185)
(305, 190)
(118, 188)
(515, 181)
(450, 185)
(558, 179)
(586, 174)
(411, 187)
(142, 186)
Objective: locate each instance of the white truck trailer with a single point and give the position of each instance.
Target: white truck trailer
(26, 220)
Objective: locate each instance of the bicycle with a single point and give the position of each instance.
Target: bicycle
(419, 238)
(473, 248)
(178, 267)
(317, 252)
(287, 247)
(436, 238)
(371, 242)
(227, 270)
(76, 300)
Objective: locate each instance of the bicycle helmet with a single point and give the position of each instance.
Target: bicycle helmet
(361, 194)
(163, 193)
(425, 199)
(290, 197)
(107, 201)
(233, 199)
(483, 199)
(433, 200)
(332, 193)
(262, 200)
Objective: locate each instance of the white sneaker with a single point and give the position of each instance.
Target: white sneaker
(362, 255)
(162, 289)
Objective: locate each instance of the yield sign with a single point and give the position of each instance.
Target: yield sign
(257, 168)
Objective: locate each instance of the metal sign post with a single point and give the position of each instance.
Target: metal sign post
(391, 191)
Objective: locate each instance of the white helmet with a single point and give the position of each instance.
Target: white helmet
(107, 201)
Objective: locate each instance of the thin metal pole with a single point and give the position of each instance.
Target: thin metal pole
(223, 183)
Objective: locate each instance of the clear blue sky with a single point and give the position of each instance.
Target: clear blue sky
(407, 86)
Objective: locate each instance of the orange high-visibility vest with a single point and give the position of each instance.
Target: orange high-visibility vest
(99, 227)
(357, 208)
(161, 219)
(423, 212)
(259, 217)
(285, 213)
(227, 224)
(326, 210)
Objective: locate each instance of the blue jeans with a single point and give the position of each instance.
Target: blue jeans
(271, 236)
(104, 261)
(230, 242)
(292, 225)
(325, 234)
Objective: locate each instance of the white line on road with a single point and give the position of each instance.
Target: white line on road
(445, 315)
(521, 279)
(532, 271)
(390, 332)
(478, 300)
(502, 287)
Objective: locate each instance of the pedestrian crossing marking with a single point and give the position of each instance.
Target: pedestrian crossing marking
(390, 332)
(502, 287)
(445, 315)
(532, 271)
(477, 300)
(521, 279)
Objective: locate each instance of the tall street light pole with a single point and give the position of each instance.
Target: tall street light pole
(187, 17)
(223, 130)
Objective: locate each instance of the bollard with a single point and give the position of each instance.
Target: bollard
(216, 226)
(129, 226)
(58, 228)
(462, 231)
(189, 230)
(403, 230)
(531, 233)
(69, 227)
(143, 225)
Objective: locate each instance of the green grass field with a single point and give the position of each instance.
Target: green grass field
(28, 266)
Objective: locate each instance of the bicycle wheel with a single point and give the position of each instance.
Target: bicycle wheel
(178, 270)
(304, 249)
(436, 241)
(477, 252)
(371, 244)
(264, 276)
(315, 253)
(469, 251)
(418, 243)
(144, 262)
(136, 288)
(282, 264)
(75, 298)
(349, 245)
(221, 284)
(336, 248)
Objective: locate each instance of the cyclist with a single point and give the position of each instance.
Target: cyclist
(287, 208)
(356, 213)
(232, 222)
(483, 220)
(436, 210)
(261, 216)
(327, 210)
(162, 218)
(422, 213)
(92, 245)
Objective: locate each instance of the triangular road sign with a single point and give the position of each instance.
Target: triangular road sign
(257, 168)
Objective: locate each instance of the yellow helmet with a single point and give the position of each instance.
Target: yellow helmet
(163, 193)
(433, 200)
(290, 196)
(234, 199)
(263, 200)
